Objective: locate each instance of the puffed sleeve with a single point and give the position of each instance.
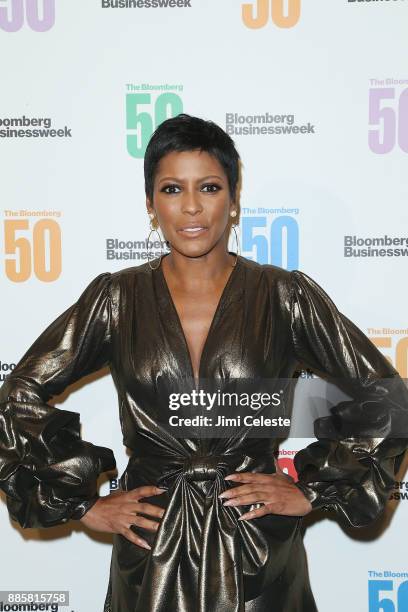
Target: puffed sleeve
(360, 445)
(49, 474)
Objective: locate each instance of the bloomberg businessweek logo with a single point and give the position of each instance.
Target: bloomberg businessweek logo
(145, 4)
(37, 15)
(266, 124)
(375, 1)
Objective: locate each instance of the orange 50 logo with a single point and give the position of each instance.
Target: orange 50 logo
(400, 358)
(32, 249)
(283, 13)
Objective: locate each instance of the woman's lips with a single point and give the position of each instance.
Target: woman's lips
(192, 232)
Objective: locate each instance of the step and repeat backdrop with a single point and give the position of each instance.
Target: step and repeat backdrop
(315, 95)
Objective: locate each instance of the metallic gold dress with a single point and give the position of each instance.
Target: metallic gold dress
(268, 321)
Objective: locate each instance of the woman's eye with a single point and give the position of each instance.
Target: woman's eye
(213, 188)
(170, 188)
(207, 188)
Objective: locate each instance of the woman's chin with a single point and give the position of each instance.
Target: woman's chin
(196, 248)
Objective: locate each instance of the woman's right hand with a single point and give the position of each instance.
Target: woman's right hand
(116, 512)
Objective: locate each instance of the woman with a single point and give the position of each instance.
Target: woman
(200, 524)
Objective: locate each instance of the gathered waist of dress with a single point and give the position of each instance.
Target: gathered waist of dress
(163, 470)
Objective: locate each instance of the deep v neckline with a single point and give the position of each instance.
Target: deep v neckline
(217, 312)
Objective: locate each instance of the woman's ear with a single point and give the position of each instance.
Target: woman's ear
(149, 207)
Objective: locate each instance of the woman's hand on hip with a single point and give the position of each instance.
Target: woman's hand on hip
(116, 512)
(277, 492)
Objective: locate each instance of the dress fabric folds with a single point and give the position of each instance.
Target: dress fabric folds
(268, 322)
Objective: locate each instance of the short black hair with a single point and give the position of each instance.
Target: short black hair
(187, 133)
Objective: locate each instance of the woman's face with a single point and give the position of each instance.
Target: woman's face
(191, 191)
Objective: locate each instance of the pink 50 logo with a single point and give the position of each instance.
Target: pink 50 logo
(38, 14)
(388, 119)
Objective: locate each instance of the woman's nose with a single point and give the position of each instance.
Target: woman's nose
(191, 202)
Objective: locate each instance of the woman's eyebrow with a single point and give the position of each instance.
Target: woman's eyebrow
(172, 178)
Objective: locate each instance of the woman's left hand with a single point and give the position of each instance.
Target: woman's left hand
(276, 491)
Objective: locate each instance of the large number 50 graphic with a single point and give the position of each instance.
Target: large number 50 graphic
(143, 122)
(39, 253)
(385, 604)
(275, 250)
(391, 122)
(401, 352)
(283, 13)
(39, 14)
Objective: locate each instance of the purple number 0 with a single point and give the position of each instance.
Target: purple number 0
(403, 121)
(12, 18)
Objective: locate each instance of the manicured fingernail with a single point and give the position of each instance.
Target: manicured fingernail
(145, 545)
(221, 495)
(229, 477)
(243, 516)
(160, 490)
(229, 502)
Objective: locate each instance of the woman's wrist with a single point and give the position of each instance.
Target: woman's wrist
(314, 498)
(82, 508)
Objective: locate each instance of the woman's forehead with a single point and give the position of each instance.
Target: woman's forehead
(183, 164)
